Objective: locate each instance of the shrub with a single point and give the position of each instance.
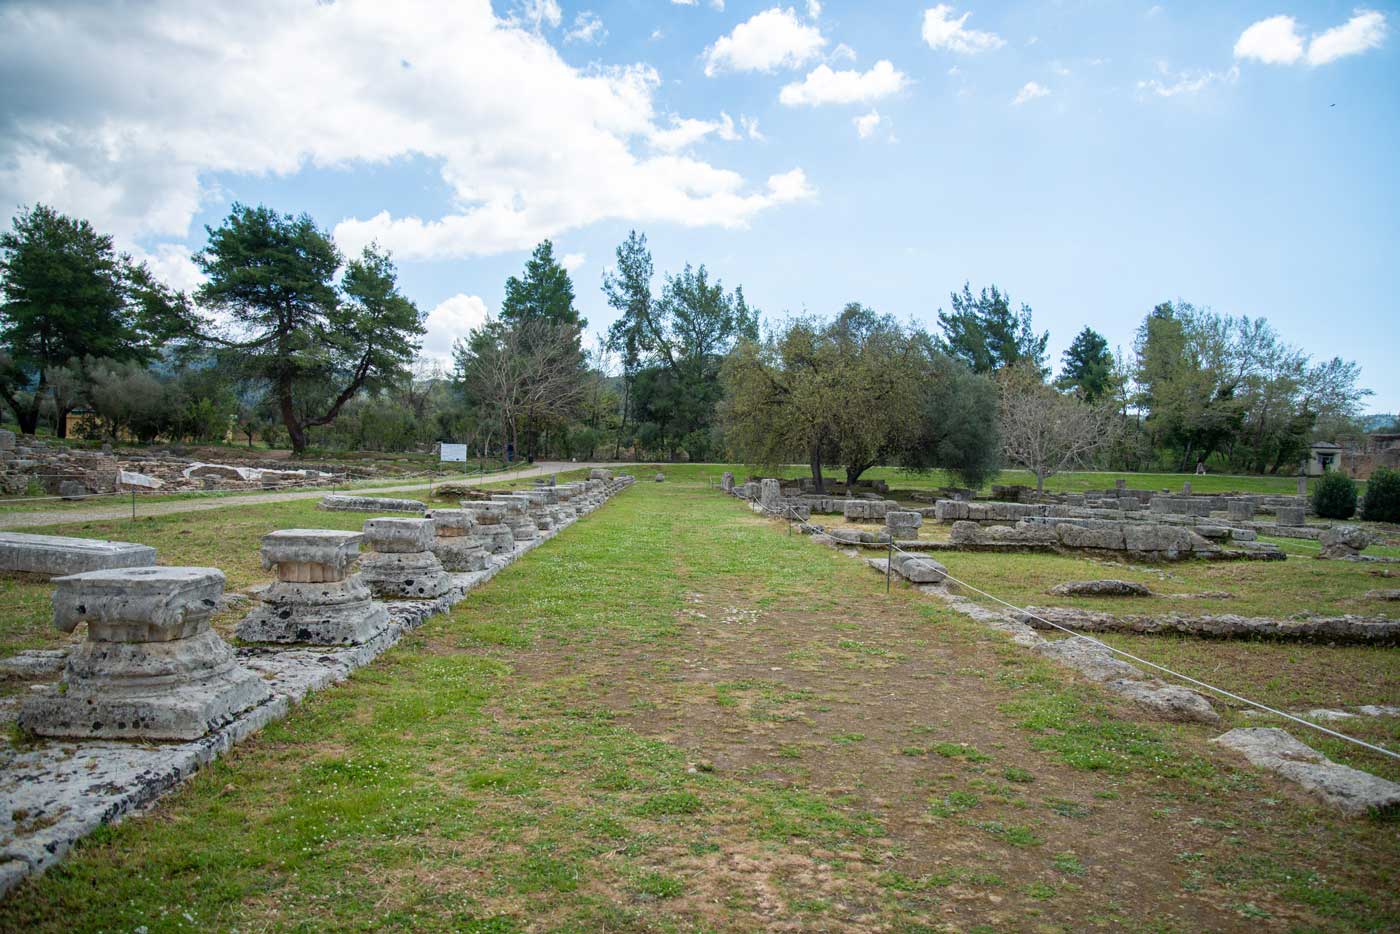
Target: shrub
(1334, 497)
(1382, 500)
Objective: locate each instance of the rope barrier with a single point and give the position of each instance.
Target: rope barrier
(893, 547)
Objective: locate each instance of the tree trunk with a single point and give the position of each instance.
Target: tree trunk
(853, 472)
(816, 461)
(1039, 484)
(295, 433)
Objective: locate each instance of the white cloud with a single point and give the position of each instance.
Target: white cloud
(824, 86)
(537, 12)
(766, 41)
(588, 29)
(842, 53)
(1274, 41)
(656, 34)
(866, 124)
(1365, 30)
(170, 103)
(573, 261)
(1188, 82)
(943, 31)
(687, 131)
(814, 9)
(684, 2)
(172, 264)
(750, 127)
(453, 318)
(790, 186)
(1029, 92)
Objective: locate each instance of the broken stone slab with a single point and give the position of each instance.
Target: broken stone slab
(1101, 588)
(57, 555)
(341, 503)
(315, 600)
(131, 480)
(1349, 790)
(1088, 658)
(401, 563)
(151, 667)
(1350, 630)
(1383, 595)
(31, 663)
(1093, 661)
(903, 523)
(1291, 515)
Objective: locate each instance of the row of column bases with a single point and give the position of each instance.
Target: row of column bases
(152, 668)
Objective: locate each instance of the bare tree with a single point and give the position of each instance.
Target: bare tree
(1046, 431)
(524, 373)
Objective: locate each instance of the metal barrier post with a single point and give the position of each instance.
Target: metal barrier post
(889, 565)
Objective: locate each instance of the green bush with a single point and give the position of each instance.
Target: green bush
(1382, 501)
(1334, 496)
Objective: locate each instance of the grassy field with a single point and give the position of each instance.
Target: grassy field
(678, 717)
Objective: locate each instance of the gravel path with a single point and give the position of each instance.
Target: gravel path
(22, 520)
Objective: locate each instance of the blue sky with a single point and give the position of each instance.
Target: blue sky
(1093, 158)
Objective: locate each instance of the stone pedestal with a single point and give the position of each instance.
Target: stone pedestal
(770, 494)
(903, 524)
(1291, 516)
(315, 598)
(151, 668)
(1241, 510)
(454, 543)
(726, 481)
(517, 516)
(1302, 485)
(400, 562)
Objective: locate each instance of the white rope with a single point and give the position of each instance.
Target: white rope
(1142, 661)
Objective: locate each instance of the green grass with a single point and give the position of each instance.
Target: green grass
(573, 748)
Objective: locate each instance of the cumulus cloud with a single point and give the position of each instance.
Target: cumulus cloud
(453, 318)
(170, 103)
(588, 28)
(1187, 82)
(1029, 92)
(1274, 41)
(1277, 41)
(1365, 30)
(866, 124)
(538, 12)
(944, 30)
(573, 261)
(824, 86)
(766, 41)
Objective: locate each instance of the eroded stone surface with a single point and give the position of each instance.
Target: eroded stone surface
(316, 600)
(343, 503)
(1349, 790)
(1357, 630)
(58, 555)
(1101, 588)
(150, 668)
(1344, 541)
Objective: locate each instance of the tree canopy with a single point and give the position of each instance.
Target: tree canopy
(986, 334)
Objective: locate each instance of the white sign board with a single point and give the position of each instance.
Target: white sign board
(452, 452)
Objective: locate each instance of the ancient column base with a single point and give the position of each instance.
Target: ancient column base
(460, 553)
(176, 690)
(333, 613)
(412, 575)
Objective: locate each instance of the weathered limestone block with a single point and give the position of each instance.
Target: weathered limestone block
(903, 524)
(1349, 790)
(150, 668)
(340, 503)
(400, 562)
(919, 570)
(600, 473)
(454, 542)
(56, 555)
(516, 515)
(1344, 541)
(726, 481)
(661, 478)
(1241, 510)
(1101, 588)
(965, 532)
(950, 510)
(1291, 515)
(315, 598)
(1109, 538)
(770, 494)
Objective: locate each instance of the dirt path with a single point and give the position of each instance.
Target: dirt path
(21, 520)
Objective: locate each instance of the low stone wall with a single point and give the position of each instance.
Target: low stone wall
(1144, 540)
(1349, 630)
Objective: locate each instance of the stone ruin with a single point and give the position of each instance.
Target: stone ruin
(151, 667)
(516, 516)
(58, 555)
(454, 542)
(401, 562)
(726, 481)
(315, 599)
(903, 524)
(495, 536)
(1145, 540)
(338, 502)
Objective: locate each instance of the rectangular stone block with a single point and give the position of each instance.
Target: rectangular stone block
(57, 555)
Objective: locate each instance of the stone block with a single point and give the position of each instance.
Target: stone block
(1241, 510)
(57, 555)
(398, 536)
(726, 481)
(923, 571)
(342, 503)
(315, 599)
(1291, 516)
(150, 668)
